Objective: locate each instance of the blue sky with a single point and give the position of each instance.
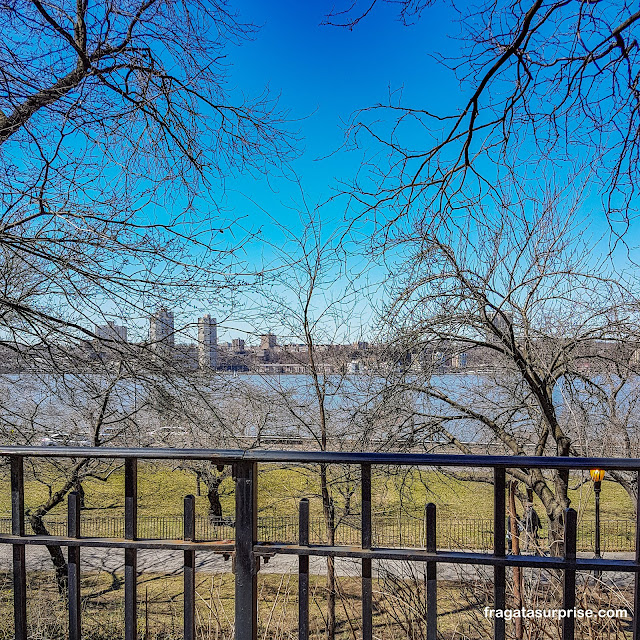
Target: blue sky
(323, 74)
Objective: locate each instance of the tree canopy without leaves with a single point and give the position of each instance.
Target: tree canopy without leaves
(551, 334)
(542, 85)
(479, 208)
(117, 127)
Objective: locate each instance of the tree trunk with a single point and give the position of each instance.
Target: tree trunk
(215, 506)
(77, 487)
(39, 528)
(555, 511)
(55, 551)
(213, 481)
(556, 535)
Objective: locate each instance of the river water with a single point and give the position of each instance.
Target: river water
(285, 406)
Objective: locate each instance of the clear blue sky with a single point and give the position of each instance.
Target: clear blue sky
(323, 74)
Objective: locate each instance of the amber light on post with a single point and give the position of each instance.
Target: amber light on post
(597, 475)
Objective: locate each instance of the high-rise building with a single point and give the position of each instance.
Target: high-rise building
(111, 331)
(238, 345)
(459, 360)
(162, 333)
(268, 341)
(503, 322)
(207, 342)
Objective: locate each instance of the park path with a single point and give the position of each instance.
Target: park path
(170, 563)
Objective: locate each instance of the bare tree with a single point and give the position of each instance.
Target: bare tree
(211, 411)
(321, 402)
(521, 300)
(127, 404)
(87, 409)
(116, 128)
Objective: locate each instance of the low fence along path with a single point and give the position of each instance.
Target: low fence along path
(407, 529)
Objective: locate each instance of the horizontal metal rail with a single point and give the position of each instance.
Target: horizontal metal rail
(120, 543)
(231, 456)
(452, 557)
(248, 550)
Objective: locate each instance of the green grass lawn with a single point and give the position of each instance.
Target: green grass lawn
(161, 491)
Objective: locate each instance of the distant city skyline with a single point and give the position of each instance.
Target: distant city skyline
(185, 328)
(270, 353)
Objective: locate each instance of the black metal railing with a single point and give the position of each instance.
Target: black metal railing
(248, 548)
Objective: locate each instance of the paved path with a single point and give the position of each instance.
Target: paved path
(170, 562)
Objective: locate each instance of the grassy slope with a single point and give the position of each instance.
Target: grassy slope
(161, 491)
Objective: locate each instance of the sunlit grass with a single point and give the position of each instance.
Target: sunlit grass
(161, 491)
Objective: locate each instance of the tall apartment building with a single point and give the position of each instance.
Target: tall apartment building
(503, 321)
(207, 342)
(268, 341)
(111, 331)
(162, 334)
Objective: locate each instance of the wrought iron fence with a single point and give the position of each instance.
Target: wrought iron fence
(248, 547)
(404, 529)
(156, 527)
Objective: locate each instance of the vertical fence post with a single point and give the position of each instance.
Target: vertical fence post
(130, 555)
(303, 572)
(499, 582)
(19, 560)
(189, 534)
(569, 581)
(432, 584)
(73, 555)
(366, 541)
(246, 613)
